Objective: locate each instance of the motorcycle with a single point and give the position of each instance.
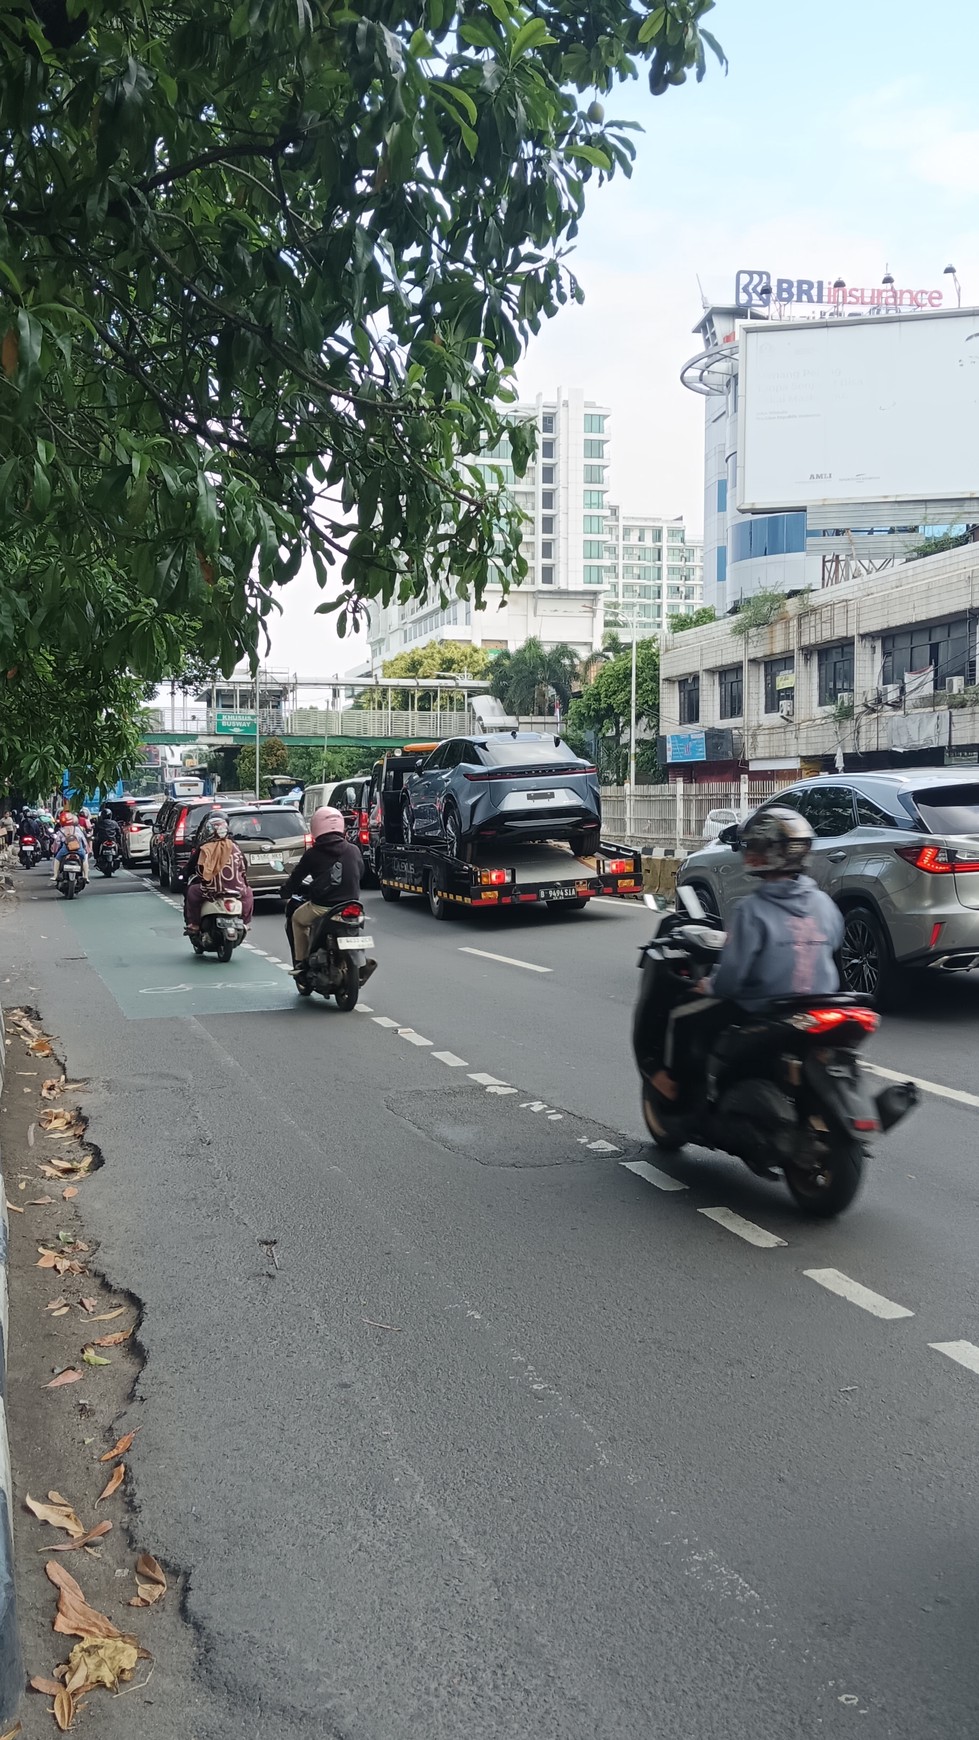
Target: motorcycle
(337, 964)
(222, 928)
(109, 857)
(30, 851)
(782, 1091)
(71, 877)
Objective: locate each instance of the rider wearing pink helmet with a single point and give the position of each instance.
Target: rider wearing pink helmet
(328, 874)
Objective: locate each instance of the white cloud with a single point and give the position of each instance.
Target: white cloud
(928, 143)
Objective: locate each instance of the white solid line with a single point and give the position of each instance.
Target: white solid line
(652, 1175)
(963, 1352)
(507, 960)
(927, 1087)
(412, 1037)
(450, 1058)
(385, 1021)
(745, 1229)
(875, 1303)
(486, 1080)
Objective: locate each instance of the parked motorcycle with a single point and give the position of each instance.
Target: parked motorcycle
(337, 964)
(222, 928)
(109, 857)
(783, 1092)
(30, 851)
(71, 876)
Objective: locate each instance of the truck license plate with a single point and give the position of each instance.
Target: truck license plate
(559, 891)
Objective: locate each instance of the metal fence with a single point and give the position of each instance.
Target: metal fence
(674, 816)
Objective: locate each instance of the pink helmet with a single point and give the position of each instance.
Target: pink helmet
(326, 821)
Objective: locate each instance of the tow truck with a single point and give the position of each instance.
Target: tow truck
(504, 873)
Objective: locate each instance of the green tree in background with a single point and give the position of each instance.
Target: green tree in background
(274, 759)
(437, 657)
(534, 677)
(692, 619)
(604, 711)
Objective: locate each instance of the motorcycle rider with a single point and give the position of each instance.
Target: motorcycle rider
(783, 940)
(106, 828)
(215, 869)
(69, 842)
(333, 867)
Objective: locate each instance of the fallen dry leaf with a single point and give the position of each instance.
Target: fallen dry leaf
(12, 1733)
(14, 1209)
(46, 1260)
(63, 1312)
(75, 1618)
(71, 1376)
(52, 1088)
(64, 1709)
(115, 1340)
(103, 1661)
(113, 1483)
(119, 1448)
(151, 1581)
(41, 1047)
(90, 1304)
(56, 1304)
(40, 1201)
(50, 1688)
(56, 1118)
(89, 1357)
(94, 1534)
(71, 1191)
(107, 1316)
(57, 1512)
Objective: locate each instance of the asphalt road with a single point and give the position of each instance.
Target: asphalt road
(517, 1441)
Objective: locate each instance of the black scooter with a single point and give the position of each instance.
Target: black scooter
(71, 876)
(783, 1091)
(30, 851)
(109, 857)
(337, 964)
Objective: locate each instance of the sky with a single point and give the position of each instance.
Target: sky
(842, 141)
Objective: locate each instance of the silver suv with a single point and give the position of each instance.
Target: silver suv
(898, 852)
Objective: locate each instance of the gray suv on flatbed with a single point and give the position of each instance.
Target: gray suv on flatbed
(898, 852)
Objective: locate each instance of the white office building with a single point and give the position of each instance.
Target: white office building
(564, 495)
(654, 571)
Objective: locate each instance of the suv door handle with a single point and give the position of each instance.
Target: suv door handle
(836, 857)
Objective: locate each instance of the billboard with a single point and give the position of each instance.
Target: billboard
(858, 411)
(227, 724)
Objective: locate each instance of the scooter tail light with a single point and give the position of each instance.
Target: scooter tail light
(824, 1021)
(352, 912)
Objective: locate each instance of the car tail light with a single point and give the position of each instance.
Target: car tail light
(938, 860)
(309, 839)
(828, 1020)
(180, 831)
(475, 778)
(363, 828)
(352, 912)
(132, 827)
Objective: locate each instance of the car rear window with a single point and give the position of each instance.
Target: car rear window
(949, 809)
(507, 753)
(267, 825)
(121, 808)
(147, 816)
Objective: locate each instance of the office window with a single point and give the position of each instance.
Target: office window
(943, 645)
(689, 688)
(547, 525)
(547, 576)
(547, 550)
(547, 474)
(547, 423)
(768, 535)
(594, 450)
(594, 576)
(547, 499)
(835, 672)
(775, 668)
(721, 564)
(594, 498)
(594, 523)
(730, 692)
(593, 551)
(722, 495)
(594, 474)
(547, 450)
(594, 423)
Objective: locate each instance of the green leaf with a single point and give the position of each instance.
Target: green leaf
(533, 34)
(500, 10)
(590, 154)
(652, 25)
(91, 1358)
(459, 96)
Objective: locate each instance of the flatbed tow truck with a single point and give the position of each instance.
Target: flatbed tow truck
(500, 873)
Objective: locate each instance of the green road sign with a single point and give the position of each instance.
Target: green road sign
(228, 723)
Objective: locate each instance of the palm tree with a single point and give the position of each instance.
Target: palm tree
(530, 680)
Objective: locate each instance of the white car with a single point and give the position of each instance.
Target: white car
(136, 833)
(718, 820)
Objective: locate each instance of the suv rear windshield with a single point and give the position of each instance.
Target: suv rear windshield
(267, 825)
(507, 753)
(949, 809)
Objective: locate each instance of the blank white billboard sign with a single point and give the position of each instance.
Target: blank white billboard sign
(880, 409)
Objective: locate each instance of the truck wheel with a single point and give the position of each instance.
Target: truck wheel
(438, 901)
(584, 845)
(390, 894)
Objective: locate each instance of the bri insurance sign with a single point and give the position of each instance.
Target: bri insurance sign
(755, 289)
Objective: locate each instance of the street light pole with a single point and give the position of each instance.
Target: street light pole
(631, 790)
(258, 722)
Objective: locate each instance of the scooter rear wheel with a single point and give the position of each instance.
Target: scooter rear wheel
(661, 1136)
(347, 998)
(826, 1193)
(225, 951)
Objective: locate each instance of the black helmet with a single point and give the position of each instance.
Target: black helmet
(779, 838)
(105, 812)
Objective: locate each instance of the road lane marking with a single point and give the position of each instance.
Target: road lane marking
(745, 1229)
(363, 1009)
(927, 1087)
(875, 1303)
(507, 960)
(484, 1080)
(412, 1037)
(652, 1175)
(384, 1021)
(450, 1059)
(963, 1352)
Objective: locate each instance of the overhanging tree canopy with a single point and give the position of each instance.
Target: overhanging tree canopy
(256, 254)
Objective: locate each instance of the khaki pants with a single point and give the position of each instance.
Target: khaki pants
(303, 920)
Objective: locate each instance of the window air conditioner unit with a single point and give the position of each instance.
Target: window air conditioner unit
(891, 694)
(956, 685)
(786, 707)
(846, 699)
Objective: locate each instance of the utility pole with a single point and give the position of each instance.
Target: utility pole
(258, 724)
(631, 788)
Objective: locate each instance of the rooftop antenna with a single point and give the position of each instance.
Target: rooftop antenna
(703, 300)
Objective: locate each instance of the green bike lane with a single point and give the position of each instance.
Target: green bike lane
(132, 937)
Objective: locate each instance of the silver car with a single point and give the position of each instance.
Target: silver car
(898, 852)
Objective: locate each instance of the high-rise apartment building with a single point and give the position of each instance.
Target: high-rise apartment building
(654, 571)
(563, 495)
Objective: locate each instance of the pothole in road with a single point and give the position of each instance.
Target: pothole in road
(518, 1131)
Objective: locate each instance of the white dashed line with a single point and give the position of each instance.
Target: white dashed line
(484, 1080)
(363, 1009)
(745, 1229)
(385, 1021)
(652, 1175)
(501, 1090)
(507, 960)
(927, 1087)
(450, 1059)
(875, 1303)
(963, 1352)
(283, 966)
(412, 1037)
(256, 951)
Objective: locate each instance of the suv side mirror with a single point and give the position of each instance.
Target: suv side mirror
(730, 836)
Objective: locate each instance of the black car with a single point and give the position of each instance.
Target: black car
(173, 835)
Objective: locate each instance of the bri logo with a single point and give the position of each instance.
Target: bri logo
(757, 290)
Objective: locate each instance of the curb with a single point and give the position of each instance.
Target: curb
(11, 1666)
